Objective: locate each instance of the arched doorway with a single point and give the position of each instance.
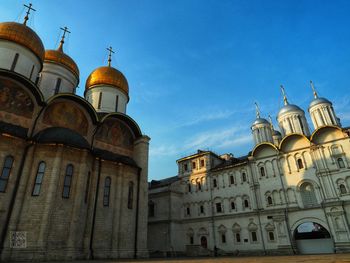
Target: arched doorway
(204, 242)
(313, 238)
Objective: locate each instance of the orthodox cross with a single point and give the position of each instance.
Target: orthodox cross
(284, 95)
(257, 110)
(110, 55)
(28, 12)
(270, 119)
(313, 89)
(65, 30)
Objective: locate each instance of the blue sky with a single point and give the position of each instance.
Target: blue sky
(196, 67)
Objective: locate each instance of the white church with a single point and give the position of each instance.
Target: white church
(289, 195)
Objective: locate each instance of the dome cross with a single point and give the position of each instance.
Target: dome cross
(313, 89)
(110, 55)
(29, 7)
(65, 30)
(284, 95)
(257, 110)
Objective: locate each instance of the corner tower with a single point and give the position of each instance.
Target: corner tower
(107, 89)
(321, 111)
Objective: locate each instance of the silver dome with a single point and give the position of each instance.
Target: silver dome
(319, 101)
(289, 108)
(261, 121)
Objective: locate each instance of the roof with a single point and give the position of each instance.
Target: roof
(14, 130)
(289, 108)
(231, 162)
(319, 101)
(109, 156)
(163, 182)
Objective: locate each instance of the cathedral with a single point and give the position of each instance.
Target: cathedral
(289, 195)
(73, 170)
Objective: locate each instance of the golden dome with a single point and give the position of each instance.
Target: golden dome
(58, 57)
(107, 76)
(22, 35)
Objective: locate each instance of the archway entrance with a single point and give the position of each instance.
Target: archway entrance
(313, 238)
(204, 242)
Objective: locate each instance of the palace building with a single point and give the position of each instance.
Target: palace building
(73, 170)
(289, 195)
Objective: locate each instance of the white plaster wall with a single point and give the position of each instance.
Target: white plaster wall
(49, 75)
(25, 62)
(108, 101)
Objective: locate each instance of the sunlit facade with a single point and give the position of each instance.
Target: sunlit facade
(289, 195)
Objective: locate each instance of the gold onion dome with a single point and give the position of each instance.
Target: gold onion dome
(24, 36)
(107, 76)
(60, 58)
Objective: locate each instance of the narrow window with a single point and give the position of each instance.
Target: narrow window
(31, 72)
(269, 200)
(99, 100)
(244, 177)
(130, 195)
(199, 186)
(202, 209)
(215, 183)
(342, 189)
(300, 163)
(58, 84)
(151, 209)
(238, 237)
(246, 203)
(116, 103)
(191, 240)
(189, 188)
(193, 165)
(271, 236)
(262, 171)
(254, 236)
(185, 167)
(106, 191)
(223, 238)
(14, 62)
(5, 174)
(218, 207)
(202, 163)
(39, 179)
(67, 181)
(232, 179)
(341, 163)
(87, 187)
(233, 206)
(188, 211)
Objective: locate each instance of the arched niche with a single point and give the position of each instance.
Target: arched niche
(264, 149)
(327, 133)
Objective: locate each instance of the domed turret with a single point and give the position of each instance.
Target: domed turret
(107, 89)
(276, 135)
(261, 129)
(291, 118)
(60, 73)
(321, 111)
(22, 51)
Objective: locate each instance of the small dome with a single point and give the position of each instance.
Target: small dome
(58, 57)
(22, 35)
(107, 76)
(261, 121)
(289, 108)
(319, 101)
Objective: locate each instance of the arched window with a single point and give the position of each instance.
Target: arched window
(14, 62)
(232, 179)
(58, 85)
(199, 186)
(246, 203)
(189, 188)
(271, 236)
(262, 171)
(269, 200)
(238, 238)
(5, 174)
(342, 189)
(244, 177)
(233, 206)
(130, 195)
(67, 181)
(106, 191)
(300, 163)
(341, 163)
(39, 178)
(215, 183)
(308, 194)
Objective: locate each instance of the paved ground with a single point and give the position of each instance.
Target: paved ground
(333, 258)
